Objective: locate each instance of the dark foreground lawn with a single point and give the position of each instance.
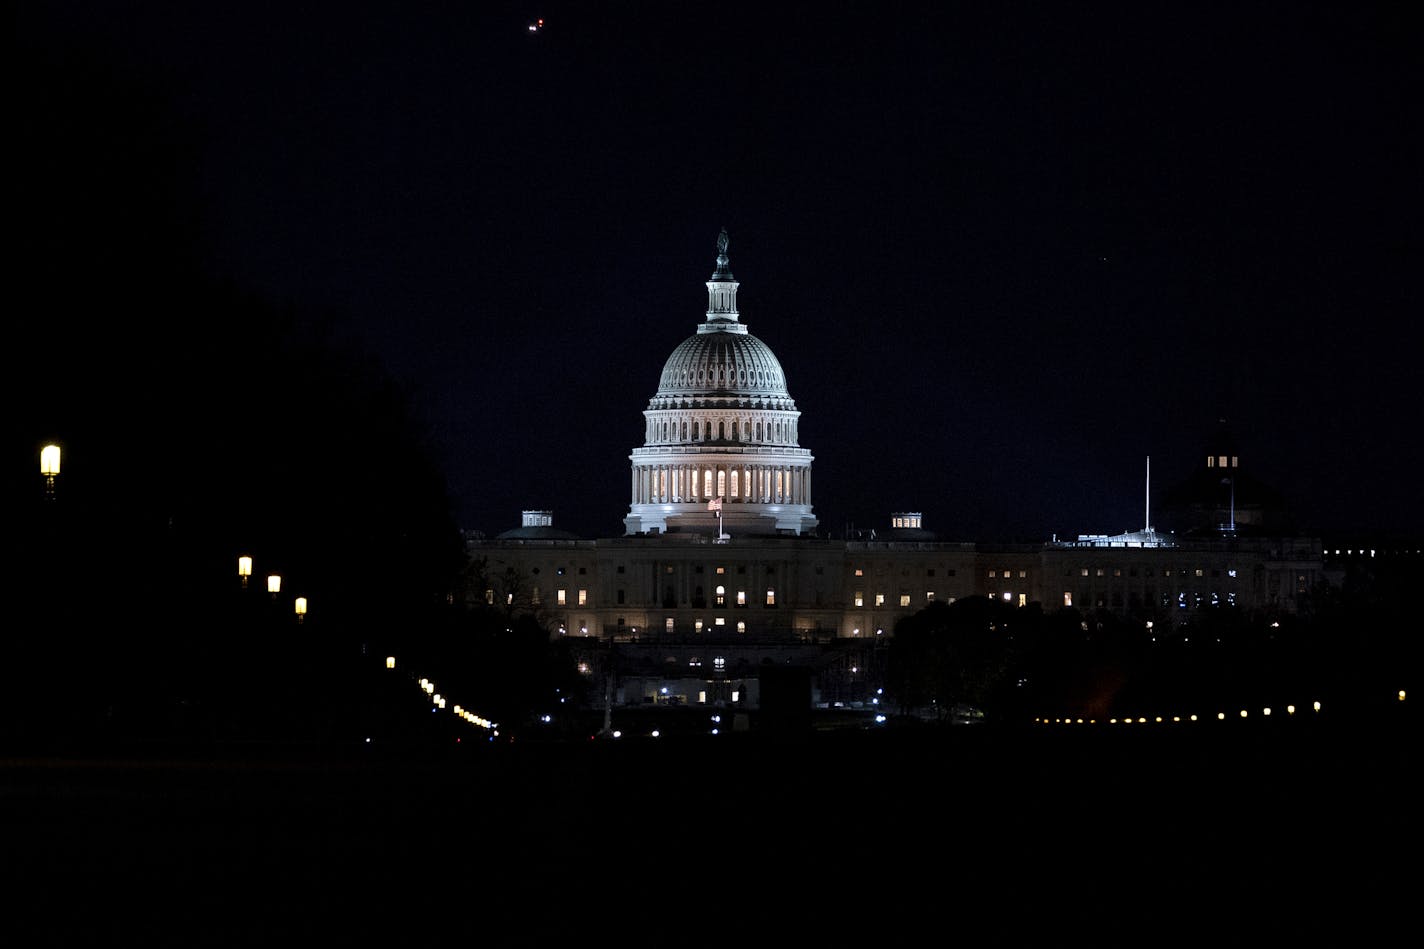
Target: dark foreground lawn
(1220, 832)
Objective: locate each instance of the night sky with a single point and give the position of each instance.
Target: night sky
(1002, 253)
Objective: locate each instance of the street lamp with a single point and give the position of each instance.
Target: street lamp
(49, 467)
(301, 608)
(274, 584)
(244, 569)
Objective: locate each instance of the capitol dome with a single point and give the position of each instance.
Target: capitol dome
(720, 450)
(722, 365)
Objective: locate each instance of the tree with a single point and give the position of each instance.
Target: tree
(952, 654)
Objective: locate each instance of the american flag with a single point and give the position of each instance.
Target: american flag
(715, 504)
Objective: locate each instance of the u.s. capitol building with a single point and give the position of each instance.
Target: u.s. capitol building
(719, 569)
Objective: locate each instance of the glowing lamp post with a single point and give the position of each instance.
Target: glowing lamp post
(301, 608)
(274, 585)
(49, 467)
(244, 570)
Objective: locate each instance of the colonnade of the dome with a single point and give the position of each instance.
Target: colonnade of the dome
(738, 483)
(681, 428)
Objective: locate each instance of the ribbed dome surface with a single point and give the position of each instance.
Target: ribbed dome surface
(723, 364)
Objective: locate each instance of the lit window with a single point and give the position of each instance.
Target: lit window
(1067, 599)
(741, 597)
(1023, 574)
(1198, 571)
(1007, 596)
(721, 570)
(1233, 461)
(719, 663)
(534, 596)
(859, 572)
(1023, 599)
(562, 597)
(1085, 571)
(721, 596)
(489, 597)
(1221, 461)
(583, 598)
(1100, 571)
(1231, 573)
(992, 574)
(929, 597)
(880, 599)
(859, 598)
(720, 621)
(741, 626)
(509, 599)
(904, 599)
(668, 624)
(1211, 461)
(697, 626)
(770, 597)
(1117, 571)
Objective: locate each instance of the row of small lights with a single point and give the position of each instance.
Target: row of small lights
(274, 585)
(439, 702)
(49, 468)
(1142, 720)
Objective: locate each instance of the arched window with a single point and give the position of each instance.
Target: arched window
(721, 430)
(721, 596)
(721, 483)
(707, 483)
(734, 482)
(758, 430)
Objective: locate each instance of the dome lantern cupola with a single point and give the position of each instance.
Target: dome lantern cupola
(722, 295)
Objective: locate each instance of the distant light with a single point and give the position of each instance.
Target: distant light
(390, 662)
(274, 584)
(300, 607)
(1401, 695)
(617, 734)
(1194, 718)
(1221, 716)
(880, 719)
(1317, 706)
(656, 733)
(244, 568)
(49, 461)
(1290, 709)
(1243, 713)
(1266, 710)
